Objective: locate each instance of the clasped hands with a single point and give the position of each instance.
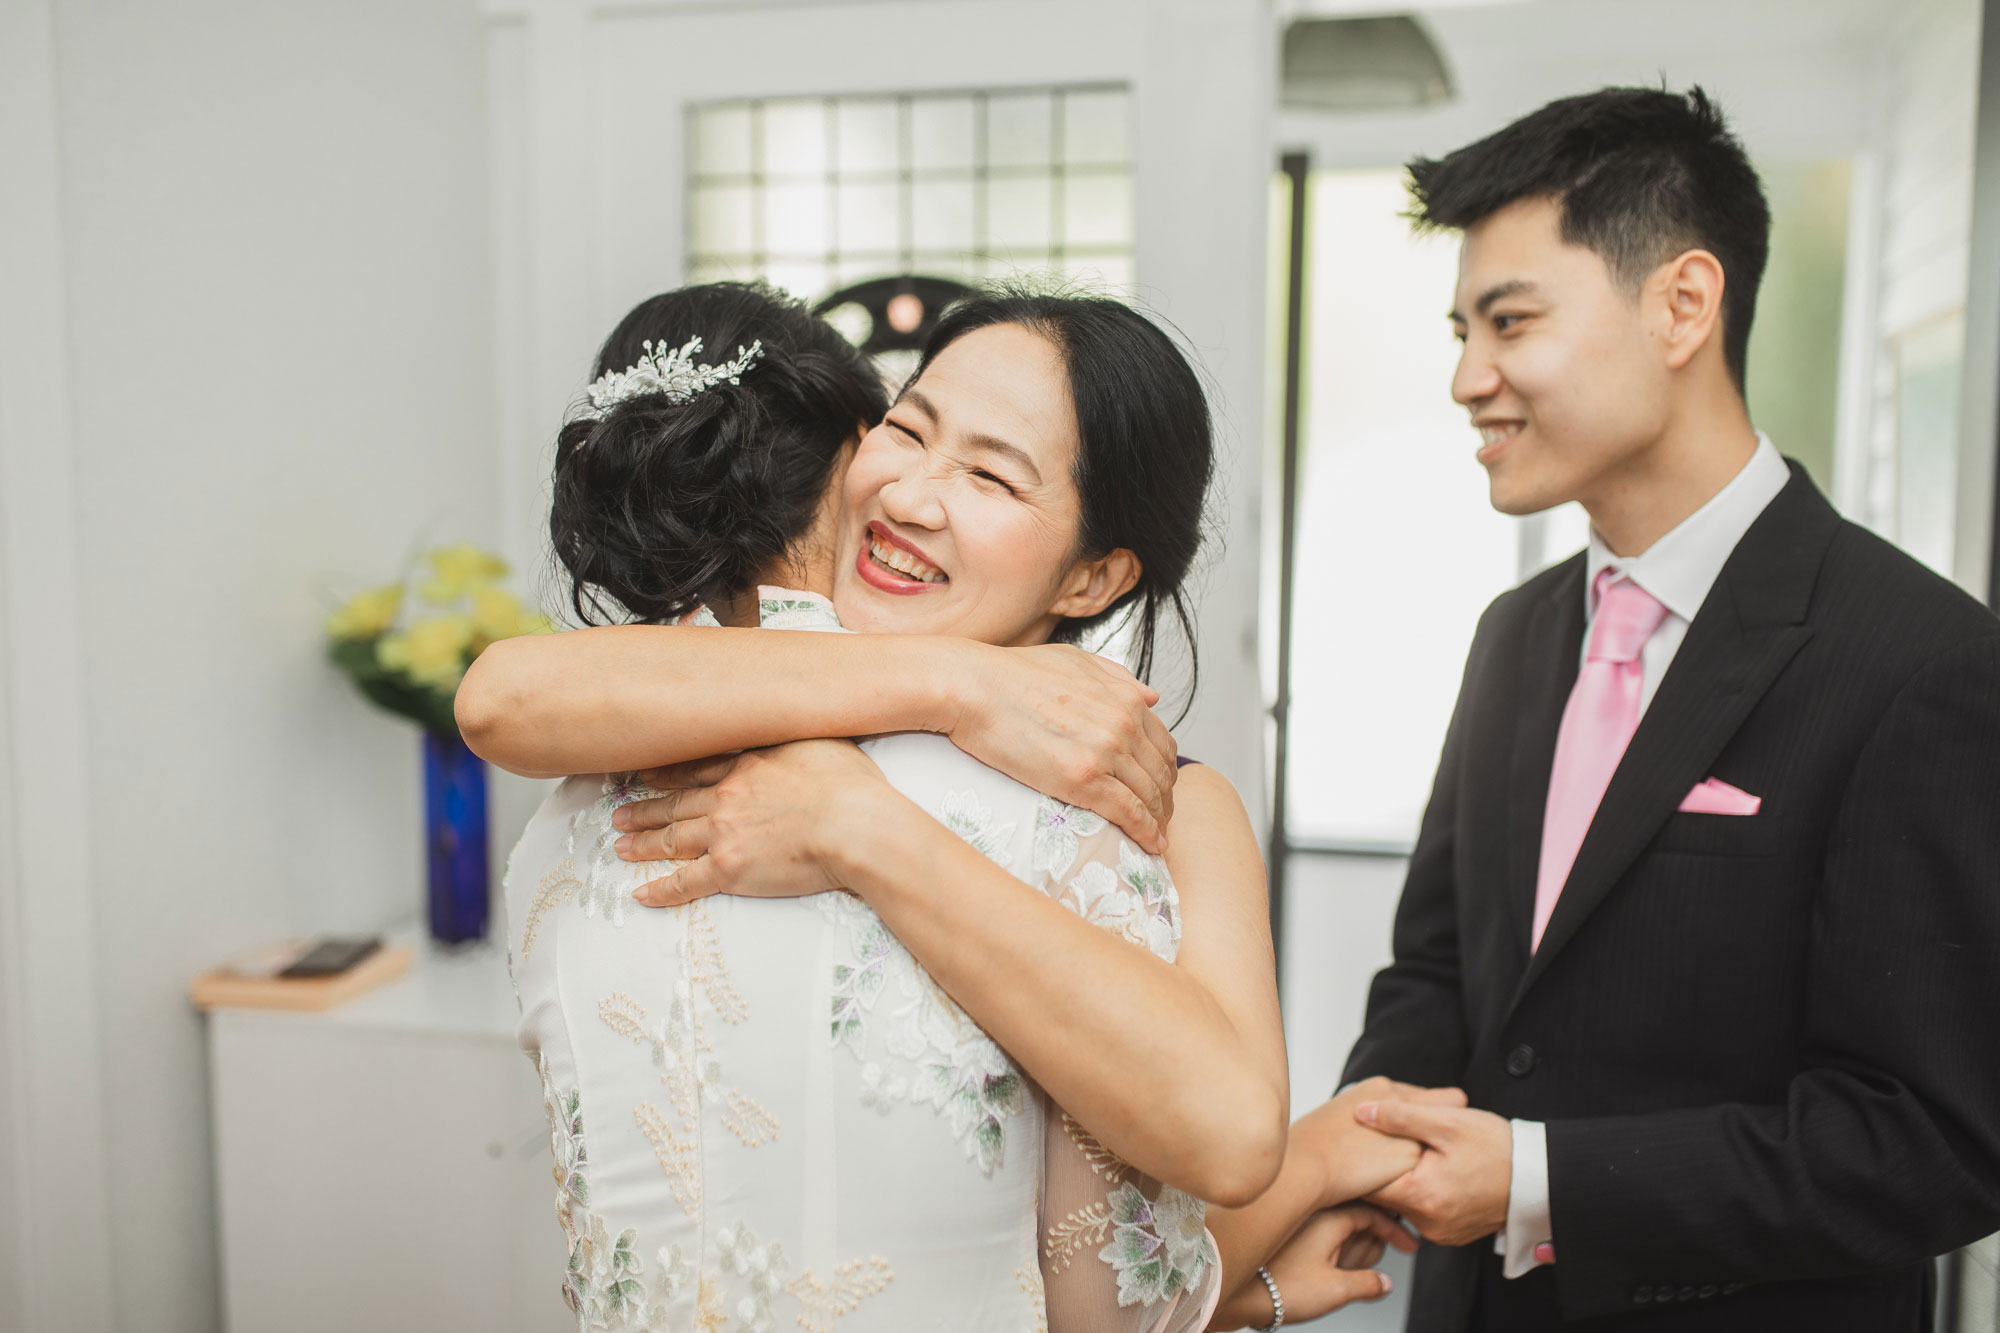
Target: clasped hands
(1444, 1167)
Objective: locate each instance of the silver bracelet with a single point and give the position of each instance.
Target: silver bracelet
(1277, 1302)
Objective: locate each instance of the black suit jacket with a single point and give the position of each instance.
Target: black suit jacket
(1767, 1048)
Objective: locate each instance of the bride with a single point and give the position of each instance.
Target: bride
(765, 1105)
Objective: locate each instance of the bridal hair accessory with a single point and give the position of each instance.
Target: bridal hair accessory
(672, 373)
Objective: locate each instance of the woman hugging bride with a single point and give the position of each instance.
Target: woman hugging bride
(921, 1032)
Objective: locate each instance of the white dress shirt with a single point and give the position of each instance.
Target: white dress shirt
(1678, 570)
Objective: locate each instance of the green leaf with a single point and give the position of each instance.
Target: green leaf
(425, 705)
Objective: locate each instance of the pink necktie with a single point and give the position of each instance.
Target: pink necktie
(1597, 725)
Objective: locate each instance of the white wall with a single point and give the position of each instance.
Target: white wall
(51, 1128)
(275, 282)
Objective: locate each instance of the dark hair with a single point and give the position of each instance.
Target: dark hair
(1641, 175)
(1145, 448)
(660, 507)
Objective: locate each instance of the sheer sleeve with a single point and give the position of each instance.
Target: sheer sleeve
(1120, 1252)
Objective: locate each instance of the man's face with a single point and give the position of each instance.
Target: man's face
(1561, 370)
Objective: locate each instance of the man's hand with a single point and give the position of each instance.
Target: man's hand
(1355, 1160)
(1457, 1192)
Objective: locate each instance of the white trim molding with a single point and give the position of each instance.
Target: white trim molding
(1979, 403)
(52, 1125)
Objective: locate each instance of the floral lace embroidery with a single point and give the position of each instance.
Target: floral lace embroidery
(822, 1303)
(565, 1111)
(740, 1287)
(966, 815)
(608, 880)
(951, 1065)
(557, 887)
(738, 1254)
(603, 1284)
(597, 1266)
(1159, 1247)
(1083, 1227)
(1057, 829)
(1137, 902)
(856, 983)
(1029, 1278)
(677, 1150)
(1103, 1161)
(796, 612)
(683, 1052)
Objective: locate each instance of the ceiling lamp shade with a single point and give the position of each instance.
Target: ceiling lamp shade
(1366, 64)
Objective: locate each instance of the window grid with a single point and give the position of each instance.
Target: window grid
(746, 245)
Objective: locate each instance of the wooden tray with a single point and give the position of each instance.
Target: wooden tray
(224, 989)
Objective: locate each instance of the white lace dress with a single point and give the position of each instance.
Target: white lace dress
(764, 1113)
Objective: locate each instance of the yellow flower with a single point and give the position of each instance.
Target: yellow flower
(430, 652)
(498, 614)
(459, 569)
(367, 614)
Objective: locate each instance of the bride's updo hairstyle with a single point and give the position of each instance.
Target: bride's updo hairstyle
(1145, 446)
(662, 506)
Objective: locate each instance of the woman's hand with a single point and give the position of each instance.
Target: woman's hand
(1074, 725)
(1355, 1160)
(758, 824)
(1317, 1271)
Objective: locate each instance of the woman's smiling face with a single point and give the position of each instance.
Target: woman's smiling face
(961, 511)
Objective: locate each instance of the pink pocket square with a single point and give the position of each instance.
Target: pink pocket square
(1715, 797)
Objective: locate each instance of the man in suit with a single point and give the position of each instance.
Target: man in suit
(1704, 914)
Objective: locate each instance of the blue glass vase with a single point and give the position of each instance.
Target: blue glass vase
(455, 834)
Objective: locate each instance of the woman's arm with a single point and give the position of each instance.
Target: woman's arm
(1178, 1067)
(624, 697)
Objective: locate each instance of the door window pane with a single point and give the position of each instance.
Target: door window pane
(941, 216)
(941, 134)
(1097, 211)
(870, 135)
(819, 193)
(795, 138)
(1018, 130)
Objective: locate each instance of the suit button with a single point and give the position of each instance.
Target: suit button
(1521, 1061)
(1642, 1296)
(1708, 1291)
(1731, 1288)
(1687, 1293)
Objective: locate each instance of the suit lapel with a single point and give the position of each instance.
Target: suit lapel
(1549, 663)
(1751, 626)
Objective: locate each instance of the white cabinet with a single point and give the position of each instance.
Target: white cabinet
(385, 1166)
